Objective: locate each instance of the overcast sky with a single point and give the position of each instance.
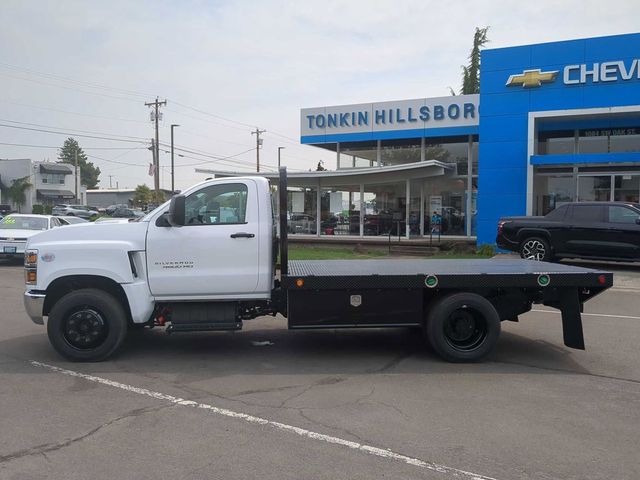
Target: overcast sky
(90, 66)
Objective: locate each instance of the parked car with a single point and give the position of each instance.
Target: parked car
(72, 220)
(5, 209)
(593, 230)
(302, 223)
(16, 228)
(74, 211)
(112, 208)
(126, 213)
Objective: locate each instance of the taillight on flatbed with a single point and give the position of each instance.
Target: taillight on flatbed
(501, 224)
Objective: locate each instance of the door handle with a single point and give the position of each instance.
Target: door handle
(242, 235)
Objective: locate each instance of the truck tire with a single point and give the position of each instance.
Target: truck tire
(462, 327)
(87, 325)
(535, 248)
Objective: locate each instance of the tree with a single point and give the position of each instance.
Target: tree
(16, 192)
(471, 71)
(88, 172)
(142, 195)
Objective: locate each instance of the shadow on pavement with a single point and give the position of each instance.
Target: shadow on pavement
(199, 356)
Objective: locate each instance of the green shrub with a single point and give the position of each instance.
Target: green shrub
(486, 250)
(37, 209)
(48, 209)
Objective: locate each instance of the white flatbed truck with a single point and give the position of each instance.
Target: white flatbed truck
(206, 261)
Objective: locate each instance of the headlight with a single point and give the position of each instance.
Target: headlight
(31, 266)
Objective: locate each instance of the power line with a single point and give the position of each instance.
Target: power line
(74, 80)
(71, 113)
(52, 146)
(69, 133)
(71, 129)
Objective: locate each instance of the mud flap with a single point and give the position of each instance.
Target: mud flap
(569, 304)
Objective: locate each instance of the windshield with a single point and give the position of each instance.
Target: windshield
(24, 223)
(148, 216)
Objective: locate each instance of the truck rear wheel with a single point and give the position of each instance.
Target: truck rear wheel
(462, 327)
(87, 325)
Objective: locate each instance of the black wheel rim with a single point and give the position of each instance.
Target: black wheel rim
(85, 329)
(534, 250)
(465, 329)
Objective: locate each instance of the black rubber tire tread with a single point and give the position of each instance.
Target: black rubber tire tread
(113, 313)
(442, 308)
(548, 257)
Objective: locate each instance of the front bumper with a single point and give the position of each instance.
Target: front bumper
(10, 249)
(34, 305)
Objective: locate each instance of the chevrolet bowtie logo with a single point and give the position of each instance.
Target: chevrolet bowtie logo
(531, 78)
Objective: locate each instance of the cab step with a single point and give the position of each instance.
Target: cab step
(203, 327)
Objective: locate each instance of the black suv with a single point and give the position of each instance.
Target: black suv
(595, 230)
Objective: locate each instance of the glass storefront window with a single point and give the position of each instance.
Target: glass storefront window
(594, 188)
(593, 141)
(302, 212)
(358, 154)
(445, 197)
(340, 210)
(550, 190)
(627, 188)
(624, 140)
(556, 143)
(396, 152)
(385, 208)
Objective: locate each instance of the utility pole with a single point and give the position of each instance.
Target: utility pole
(257, 133)
(156, 117)
(75, 156)
(279, 148)
(172, 173)
(110, 176)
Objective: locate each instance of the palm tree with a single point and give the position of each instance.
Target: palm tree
(16, 192)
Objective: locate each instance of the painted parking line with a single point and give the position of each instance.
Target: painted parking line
(376, 451)
(557, 312)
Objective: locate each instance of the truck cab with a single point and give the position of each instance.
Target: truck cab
(206, 256)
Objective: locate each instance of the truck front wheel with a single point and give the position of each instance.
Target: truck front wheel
(87, 325)
(462, 327)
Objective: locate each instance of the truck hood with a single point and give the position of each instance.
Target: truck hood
(131, 233)
(17, 233)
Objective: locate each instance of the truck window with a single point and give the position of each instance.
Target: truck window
(619, 214)
(557, 214)
(587, 213)
(217, 205)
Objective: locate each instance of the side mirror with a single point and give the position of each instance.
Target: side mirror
(176, 216)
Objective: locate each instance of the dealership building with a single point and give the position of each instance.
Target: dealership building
(553, 123)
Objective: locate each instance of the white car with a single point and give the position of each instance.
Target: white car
(16, 228)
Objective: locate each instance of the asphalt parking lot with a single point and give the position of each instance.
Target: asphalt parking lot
(272, 404)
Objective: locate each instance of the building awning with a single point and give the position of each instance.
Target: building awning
(55, 168)
(349, 176)
(48, 193)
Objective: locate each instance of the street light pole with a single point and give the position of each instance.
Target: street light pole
(279, 148)
(172, 174)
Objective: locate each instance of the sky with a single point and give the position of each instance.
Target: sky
(227, 67)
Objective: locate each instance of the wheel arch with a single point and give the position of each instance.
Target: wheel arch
(70, 283)
(526, 233)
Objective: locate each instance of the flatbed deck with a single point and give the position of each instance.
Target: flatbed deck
(400, 273)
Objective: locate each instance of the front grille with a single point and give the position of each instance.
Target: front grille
(13, 239)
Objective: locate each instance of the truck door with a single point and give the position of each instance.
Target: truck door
(588, 230)
(623, 231)
(216, 252)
